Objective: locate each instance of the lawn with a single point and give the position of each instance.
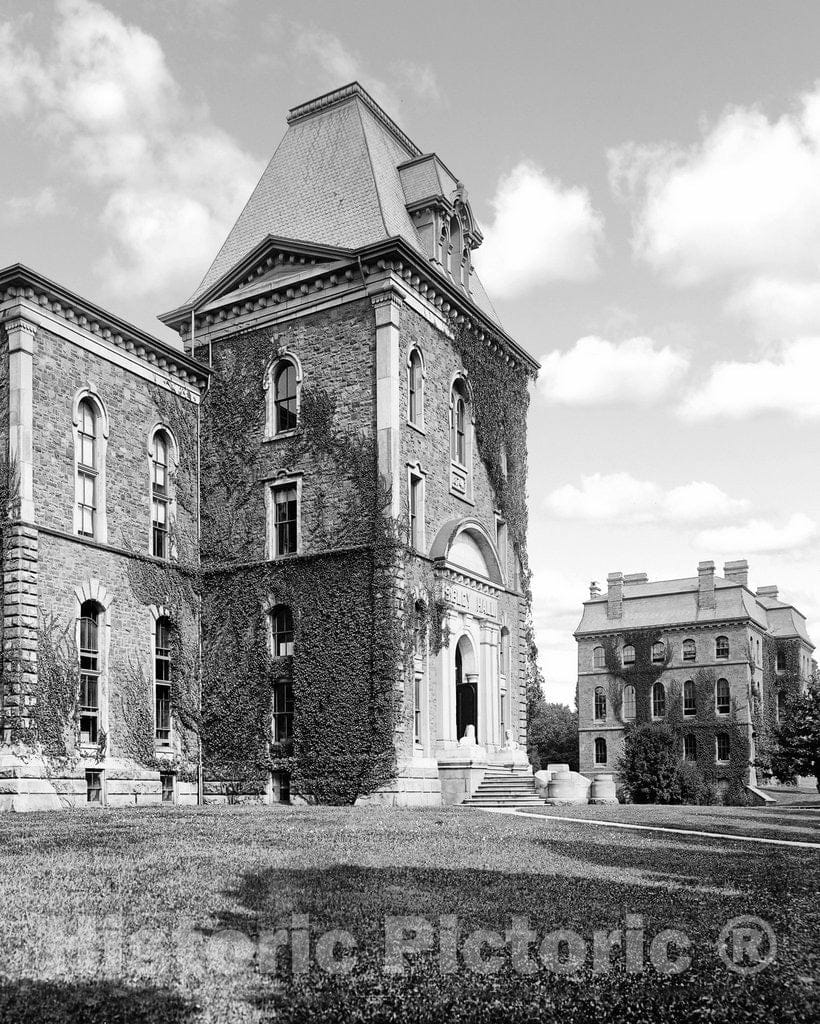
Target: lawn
(160, 915)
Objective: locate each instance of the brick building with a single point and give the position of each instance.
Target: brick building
(706, 654)
(358, 556)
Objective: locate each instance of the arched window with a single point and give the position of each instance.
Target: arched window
(460, 430)
(780, 661)
(629, 707)
(600, 750)
(658, 652)
(690, 747)
(88, 466)
(600, 702)
(722, 698)
(160, 496)
(91, 614)
(415, 388)
(781, 705)
(723, 747)
(658, 700)
(628, 655)
(282, 709)
(284, 397)
(598, 659)
(722, 647)
(689, 699)
(689, 650)
(281, 627)
(162, 681)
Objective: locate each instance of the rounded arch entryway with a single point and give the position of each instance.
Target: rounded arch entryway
(466, 686)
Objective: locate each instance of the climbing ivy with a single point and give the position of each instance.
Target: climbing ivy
(789, 681)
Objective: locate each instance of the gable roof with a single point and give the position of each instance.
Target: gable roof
(334, 180)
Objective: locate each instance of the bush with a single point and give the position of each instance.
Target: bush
(689, 786)
(649, 763)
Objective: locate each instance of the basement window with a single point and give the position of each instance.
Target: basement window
(94, 786)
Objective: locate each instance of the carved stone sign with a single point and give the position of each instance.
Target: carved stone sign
(467, 599)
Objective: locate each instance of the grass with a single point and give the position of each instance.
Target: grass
(171, 915)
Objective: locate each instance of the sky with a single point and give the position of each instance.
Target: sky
(647, 177)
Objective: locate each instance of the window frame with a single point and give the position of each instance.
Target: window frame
(689, 650)
(658, 655)
(90, 673)
(163, 659)
(728, 742)
(416, 376)
(85, 474)
(690, 738)
(598, 661)
(417, 507)
(599, 704)
(288, 630)
(690, 698)
(273, 486)
(632, 703)
(270, 385)
(461, 439)
(628, 661)
(165, 495)
(600, 744)
(658, 688)
(723, 707)
(721, 648)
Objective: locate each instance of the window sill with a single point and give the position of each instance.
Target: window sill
(417, 428)
(462, 497)
(284, 436)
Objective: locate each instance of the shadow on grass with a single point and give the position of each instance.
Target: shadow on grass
(90, 1002)
(358, 898)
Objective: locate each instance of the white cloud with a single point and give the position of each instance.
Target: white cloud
(170, 181)
(621, 498)
(787, 383)
(419, 79)
(37, 204)
(778, 307)
(541, 231)
(596, 371)
(759, 535)
(743, 200)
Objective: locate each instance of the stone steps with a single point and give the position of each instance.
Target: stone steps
(505, 787)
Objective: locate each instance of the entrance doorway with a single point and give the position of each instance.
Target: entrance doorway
(466, 692)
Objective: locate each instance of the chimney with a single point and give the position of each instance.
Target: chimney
(594, 589)
(615, 595)
(767, 592)
(737, 572)
(706, 584)
(636, 577)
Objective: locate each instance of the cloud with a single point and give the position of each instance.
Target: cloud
(778, 307)
(745, 199)
(759, 535)
(541, 232)
(170, 181)
(621, 498)
(787, 383)
(596, 372)
(338, 65)
(37, 204)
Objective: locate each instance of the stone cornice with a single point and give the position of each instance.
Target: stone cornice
(24, 292)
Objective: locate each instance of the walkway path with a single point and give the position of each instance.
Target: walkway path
(652, 828)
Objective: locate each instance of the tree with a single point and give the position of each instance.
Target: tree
(553, 734)
(798, 738)
(649, 763)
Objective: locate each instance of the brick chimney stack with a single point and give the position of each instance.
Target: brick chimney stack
(767, 592)
(615, 595)
(594, 589)
(737, 572)
(706, 584)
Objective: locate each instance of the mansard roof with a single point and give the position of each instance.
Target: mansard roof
(343, 176)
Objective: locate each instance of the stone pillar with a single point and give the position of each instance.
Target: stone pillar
(447, 697)
(388, 306)
(489, 691)
(20, 543)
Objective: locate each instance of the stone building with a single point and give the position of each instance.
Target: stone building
(706, 654)
(358, 559)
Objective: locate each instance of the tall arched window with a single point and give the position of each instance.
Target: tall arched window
(722, 647)
(658, 652)
(723, 702)
(600, 702)
(284, 400)
(598, 659)
(600, 750)
(658, 700)
(723, 747)
(460, 430)
(689, 650)
(781, 705)
(415, 389)
(87, 468)
(160, 496)
(628, 655)
(690, 747)
(162, 681)
(629, 706)
(689, 700)
(91, 614)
